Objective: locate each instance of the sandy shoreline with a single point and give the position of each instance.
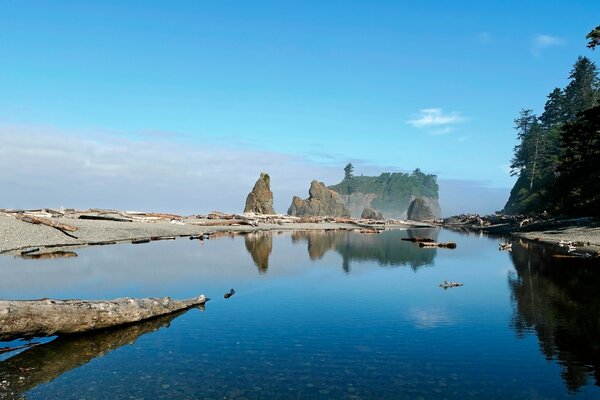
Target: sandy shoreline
(16, 235)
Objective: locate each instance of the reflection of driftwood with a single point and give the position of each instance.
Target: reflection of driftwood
(45, 221)
(44, 363)
(449, 245)
(47, 317)
(419, 240)
(48, 256)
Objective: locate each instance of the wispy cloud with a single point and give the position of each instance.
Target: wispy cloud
(542, 41)
(435, 120)
(46, 167)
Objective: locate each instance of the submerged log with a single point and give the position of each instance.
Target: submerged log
(46, 317)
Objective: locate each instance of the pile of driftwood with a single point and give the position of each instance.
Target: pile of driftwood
(498, 223)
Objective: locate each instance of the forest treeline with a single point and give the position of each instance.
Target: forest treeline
(557, 158)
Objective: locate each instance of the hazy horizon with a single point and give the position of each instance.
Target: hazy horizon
(179, 107)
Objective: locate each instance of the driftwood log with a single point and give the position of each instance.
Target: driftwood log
(43, 363)
(46, 317)
(449, 245)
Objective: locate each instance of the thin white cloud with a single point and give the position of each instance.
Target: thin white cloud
(44, 167)
(435, 120)
(542, 41)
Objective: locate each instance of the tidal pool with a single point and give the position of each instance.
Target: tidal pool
(325, 315)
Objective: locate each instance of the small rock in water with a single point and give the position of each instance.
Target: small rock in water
(229, 294)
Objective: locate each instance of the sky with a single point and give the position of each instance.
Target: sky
(178, 106)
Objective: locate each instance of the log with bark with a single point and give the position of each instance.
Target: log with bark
(47, 317)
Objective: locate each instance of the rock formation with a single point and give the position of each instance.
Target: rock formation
(260, 199)
(321, 202)
(390, 193)
(369, 213)
(419, 210)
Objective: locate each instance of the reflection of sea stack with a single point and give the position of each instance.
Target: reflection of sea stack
(259, 245)
(260, 199)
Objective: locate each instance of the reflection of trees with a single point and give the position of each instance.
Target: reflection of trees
(386, 248)
(558, 299)
(44, 363)
(259, 245)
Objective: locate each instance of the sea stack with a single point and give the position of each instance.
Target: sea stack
(419, 210)
(260, 199)
(321, 202)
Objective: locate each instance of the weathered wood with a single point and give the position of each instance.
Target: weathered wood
(448, 245)
(46, 317)
(105, 218)
(43, 363)
(419, 240)
(446, 284)
(46, 221)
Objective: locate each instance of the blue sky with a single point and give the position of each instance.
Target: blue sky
(297, 88)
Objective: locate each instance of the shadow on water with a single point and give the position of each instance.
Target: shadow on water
(386, 248)
(558, 299)
(44, 363)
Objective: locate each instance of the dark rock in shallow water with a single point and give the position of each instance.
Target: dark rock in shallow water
(419, 210)
(321, 202)
(369, 213)
(260, 199)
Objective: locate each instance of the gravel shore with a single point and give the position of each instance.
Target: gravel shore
(587, 237)
(16, 235)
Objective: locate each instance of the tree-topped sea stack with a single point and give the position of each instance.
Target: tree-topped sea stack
(388, 193)
(321, 202)
(260, 199)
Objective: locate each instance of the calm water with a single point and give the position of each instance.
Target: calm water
(320, 315)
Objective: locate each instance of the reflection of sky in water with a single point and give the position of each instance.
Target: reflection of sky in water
(301, 325)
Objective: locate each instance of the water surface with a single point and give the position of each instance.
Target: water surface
(320, 315)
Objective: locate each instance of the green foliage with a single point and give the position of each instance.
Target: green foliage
(577, 189)
(560, 142)
(394, 190)
(348, 171)
(593, 38)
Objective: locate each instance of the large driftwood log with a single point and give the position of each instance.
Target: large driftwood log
(46, 221)
(46, 317)
(44, 363)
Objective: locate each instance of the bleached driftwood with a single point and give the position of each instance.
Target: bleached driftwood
(46, 317)
(449, 245)
(42, 363)
(46, 221)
